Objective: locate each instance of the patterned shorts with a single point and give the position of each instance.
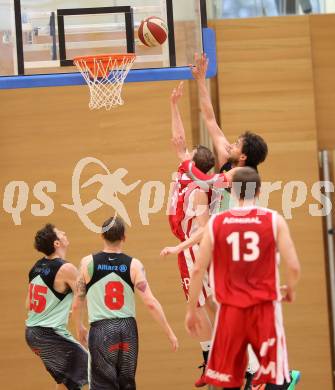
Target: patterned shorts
(65, 360)
(113, 346)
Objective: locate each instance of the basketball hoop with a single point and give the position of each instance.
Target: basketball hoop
(105, 75)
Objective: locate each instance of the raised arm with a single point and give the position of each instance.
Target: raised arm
(143, 290)
(177, 127)
(289, 257)
(177, 123)
(220, 142)
(201, 265)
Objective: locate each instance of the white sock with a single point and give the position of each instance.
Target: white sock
(206, 345)
(253, 364)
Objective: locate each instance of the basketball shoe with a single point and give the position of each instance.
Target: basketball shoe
(201, 381)
(295, 378)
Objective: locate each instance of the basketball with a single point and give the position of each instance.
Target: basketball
(153, 31)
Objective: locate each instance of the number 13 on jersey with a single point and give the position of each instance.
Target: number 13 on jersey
(251, 240)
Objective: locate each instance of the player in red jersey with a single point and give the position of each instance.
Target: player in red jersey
(189, 213)
(244, 243)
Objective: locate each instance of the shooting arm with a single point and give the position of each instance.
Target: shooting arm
(220, 142)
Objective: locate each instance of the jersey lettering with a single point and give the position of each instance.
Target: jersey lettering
(114, 297)
(251, 241)
(37, 299)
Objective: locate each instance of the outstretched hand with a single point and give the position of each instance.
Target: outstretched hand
(173, 342)
(199, 68)
(177, 93)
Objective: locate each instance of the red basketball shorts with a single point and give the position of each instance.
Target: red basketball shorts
(186, 261)
(261, 326)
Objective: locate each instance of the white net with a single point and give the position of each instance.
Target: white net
(105, 76)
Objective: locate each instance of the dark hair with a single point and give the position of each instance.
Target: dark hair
(203, 158)
(246, 183)
(255, 148)
(45, 238)
(116, 230)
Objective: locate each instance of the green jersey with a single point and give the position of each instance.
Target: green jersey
(110, 292)
(47, 307)
(226, 201)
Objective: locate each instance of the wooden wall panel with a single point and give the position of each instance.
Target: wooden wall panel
(323, 56)
(44, 133)
(265, 85)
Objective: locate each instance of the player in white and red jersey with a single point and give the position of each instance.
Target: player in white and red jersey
(185, 221)
(189, 213)
(244, 242)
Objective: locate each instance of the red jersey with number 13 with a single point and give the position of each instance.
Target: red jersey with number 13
(244, 271)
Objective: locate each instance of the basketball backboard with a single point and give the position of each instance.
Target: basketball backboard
(41, 37)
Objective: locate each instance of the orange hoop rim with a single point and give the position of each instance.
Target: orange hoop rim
(104, 58)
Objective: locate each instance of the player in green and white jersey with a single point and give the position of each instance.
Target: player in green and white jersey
(109, 280)
(51, 283)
